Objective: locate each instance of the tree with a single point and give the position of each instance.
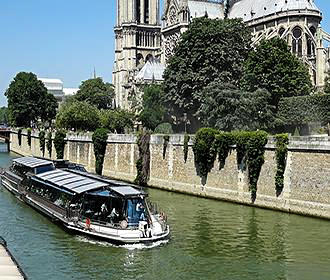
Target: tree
(327, 83)
(117, 120)
(272, 66)
(96, 92)
(228, 108)
(4, 117)
(153, 110)
(78, 115)
(49, 105)
(26, 99)
(210, 49)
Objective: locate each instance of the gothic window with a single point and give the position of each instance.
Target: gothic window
(297, 41)
(138, 11)
(146, 11)
(139, 59)
(281, 32)
(172, 15)
(149, 58)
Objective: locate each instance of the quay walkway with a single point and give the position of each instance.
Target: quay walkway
(9, 269)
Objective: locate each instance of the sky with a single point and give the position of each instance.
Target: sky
(64, 39)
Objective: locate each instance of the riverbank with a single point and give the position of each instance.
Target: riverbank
(306, 185)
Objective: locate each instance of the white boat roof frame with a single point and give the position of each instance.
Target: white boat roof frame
(32, 162)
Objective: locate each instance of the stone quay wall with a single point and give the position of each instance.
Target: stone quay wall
(306, 179)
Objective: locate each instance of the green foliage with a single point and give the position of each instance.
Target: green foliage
(327, 83)
(222, 146)
(19, 136)
(255, 158)
(196, 64)
(282, 141)
(185, 147)
(4, 115)
(100, 137)
(228, 108)
(96, 93)
(301, 110)
(29, 131)
(42, 142)
(49, 107)
(78, 115)
(49, 143)
(250, 147)
(273, 67)
(165, 143)
(152, 113)
(164, 128)
(27, 97)
(59, 143)
(117, 120)
(203, 151)
(143, 162)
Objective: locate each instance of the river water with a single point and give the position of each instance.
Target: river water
(210, 240)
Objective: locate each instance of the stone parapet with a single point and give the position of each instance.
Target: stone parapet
(306, 179)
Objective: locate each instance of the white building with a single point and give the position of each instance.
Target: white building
(55, 87)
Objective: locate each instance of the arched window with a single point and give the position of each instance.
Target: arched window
(149, 58)
(281, 31)
(139, 59)
(297, 41)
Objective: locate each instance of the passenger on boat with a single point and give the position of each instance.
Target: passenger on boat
(114, 215)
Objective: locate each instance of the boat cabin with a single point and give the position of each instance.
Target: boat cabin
(24, 165)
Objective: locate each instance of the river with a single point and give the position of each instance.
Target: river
(210, 240)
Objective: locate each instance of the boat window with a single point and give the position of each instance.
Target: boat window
(20, 170)
(45, 168)
(56, 196)
(136, 211)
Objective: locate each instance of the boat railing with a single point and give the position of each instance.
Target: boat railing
(157, 212)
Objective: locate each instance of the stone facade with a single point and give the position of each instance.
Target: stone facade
(296, 21)
(306, 179)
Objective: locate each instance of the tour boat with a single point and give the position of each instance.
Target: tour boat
(85, 203)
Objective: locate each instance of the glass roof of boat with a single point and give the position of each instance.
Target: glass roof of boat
(32, 162)
(70, 181)
(126, 191)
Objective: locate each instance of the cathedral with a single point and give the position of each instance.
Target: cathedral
(145, 40)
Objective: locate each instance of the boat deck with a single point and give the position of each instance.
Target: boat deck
(8, 268)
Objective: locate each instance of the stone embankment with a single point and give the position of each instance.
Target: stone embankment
(306, 179)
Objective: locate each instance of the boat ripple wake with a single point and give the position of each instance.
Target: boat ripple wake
(138, 246)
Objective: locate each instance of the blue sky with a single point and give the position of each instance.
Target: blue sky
(63, 39)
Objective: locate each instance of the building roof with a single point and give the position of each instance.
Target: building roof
(151, 71)
(52, 84)
(31, 161)
(200, 8)
(70, 181)
(249, 10)
(70, 91)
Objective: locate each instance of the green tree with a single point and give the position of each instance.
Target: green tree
(96, 92)
(4, 115)
(59, 143)
(327, 83)
(227, 108)
(26, 99)
(49, 105)
(100, 137)
(78, 115)
(117, 120)
(153, 110)
(210, 49)
(273, 67)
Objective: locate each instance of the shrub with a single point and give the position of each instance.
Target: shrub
(42, 142)
(164, 128)
(19, 136)
(49, 143)
(29, 131)
(59, 143)
(282, 141)
(143, 162)
(100, 137)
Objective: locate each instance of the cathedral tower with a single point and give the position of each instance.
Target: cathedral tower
(138, 40)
